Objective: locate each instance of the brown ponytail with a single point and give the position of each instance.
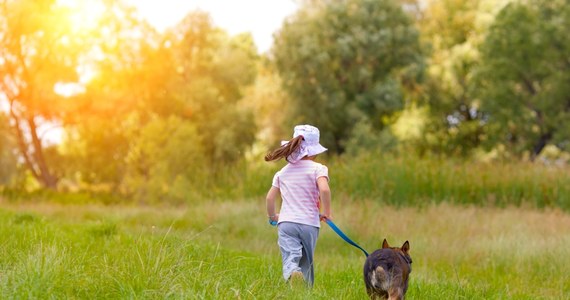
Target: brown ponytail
(285, 150)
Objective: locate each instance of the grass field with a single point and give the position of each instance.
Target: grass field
(226, 250)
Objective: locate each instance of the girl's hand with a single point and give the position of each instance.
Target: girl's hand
(275, 217)
(273, 220)
(324, 217)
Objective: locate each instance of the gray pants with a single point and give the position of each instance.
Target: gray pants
(297, 243)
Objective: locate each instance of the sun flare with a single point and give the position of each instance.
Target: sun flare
(84, 15)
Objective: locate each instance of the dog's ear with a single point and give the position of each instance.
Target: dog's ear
(406, 247)
(385, 244)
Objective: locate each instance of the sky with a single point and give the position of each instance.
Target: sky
(259, 17)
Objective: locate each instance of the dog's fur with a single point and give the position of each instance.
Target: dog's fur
(386, 272)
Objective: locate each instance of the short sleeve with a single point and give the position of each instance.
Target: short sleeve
(275, 182)
(322, 171)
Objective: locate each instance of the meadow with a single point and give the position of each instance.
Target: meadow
(228, 251)
(467, 240)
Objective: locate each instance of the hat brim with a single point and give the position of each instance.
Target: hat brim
(313, 150)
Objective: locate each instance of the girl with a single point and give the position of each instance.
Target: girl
(301, 183)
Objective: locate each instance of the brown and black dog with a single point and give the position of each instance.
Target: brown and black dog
(386, 272)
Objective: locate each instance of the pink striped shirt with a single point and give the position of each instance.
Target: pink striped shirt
(299, 192)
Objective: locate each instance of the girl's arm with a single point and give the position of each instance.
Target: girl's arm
(325, 192)
(270, 203)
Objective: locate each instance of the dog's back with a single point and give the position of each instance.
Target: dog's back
(386, 272)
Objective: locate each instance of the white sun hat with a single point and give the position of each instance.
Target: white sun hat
(309, 146)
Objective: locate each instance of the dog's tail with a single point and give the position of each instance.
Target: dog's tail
(380, 279)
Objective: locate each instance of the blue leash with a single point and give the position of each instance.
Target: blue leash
(337, 230)
(343, 236)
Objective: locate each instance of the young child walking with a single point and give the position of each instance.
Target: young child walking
(303, 185)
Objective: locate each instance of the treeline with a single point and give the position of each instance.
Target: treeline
(165, 116)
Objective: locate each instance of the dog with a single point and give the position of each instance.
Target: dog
(386, 272)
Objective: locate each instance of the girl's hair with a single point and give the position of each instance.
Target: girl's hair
(285, 150)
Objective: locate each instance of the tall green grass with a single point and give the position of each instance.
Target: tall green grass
(412, 181)
(226, 250)
(400, 181)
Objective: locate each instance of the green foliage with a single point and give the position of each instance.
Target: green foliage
(197, 74)
(95, 150)
(453, 30)
(523, 80)
(364, 139)
(165, 162)
(194, 79)
(212, 70)
(342, 62)
(180, 116)
(103, 119)
(407, 181)
(8, 162)
(38, 51)
(270, 105)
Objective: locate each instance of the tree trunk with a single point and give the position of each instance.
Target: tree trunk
(540, 144)
(34, 160)
(46, 177)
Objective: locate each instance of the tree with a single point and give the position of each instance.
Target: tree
(46, 45)
(37, 50)
(449, 27)
(524, 79)
(191, 77)
(345, 63)
(453, 30)
(212, 71)
(129, 70)
(268, 102)
(164, 166)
